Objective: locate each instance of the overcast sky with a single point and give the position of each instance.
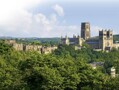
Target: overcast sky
(53, 18)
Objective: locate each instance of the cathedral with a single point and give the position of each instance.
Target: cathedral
(103, 42)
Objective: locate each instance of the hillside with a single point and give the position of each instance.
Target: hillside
(49, 40)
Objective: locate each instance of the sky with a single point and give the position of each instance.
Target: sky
(56, 18)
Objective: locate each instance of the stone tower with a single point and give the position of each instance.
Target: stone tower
(105, 40)
(85, 30)
(113, 72)
(65, 40)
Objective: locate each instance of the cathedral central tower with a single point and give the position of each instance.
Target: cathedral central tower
(85, 30)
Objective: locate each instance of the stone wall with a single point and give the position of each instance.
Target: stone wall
(39, 48)
(116, 45)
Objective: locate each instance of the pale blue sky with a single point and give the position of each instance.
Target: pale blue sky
(53, 18)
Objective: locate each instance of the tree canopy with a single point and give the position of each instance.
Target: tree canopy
(64, 69)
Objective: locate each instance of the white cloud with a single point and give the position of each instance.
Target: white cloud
(42, 21)
(44, 27)
(9, 8)
(17, 21)
(59, 10)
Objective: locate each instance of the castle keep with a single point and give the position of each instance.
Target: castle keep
(103, 42)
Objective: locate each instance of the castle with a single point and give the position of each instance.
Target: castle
(104, 42)
(28, 47)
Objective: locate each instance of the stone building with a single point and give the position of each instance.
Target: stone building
(85, 30)
(65, 40)
(39, 48)
(103, 42)
(94, 65)
(116, 45)
(113, 72)
(10, 42)
(93, 43)
(106, 39)
(18, 47)
(76, 40)
(47, 50)
(32, 48)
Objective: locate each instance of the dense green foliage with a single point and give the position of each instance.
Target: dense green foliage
(64, 69)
